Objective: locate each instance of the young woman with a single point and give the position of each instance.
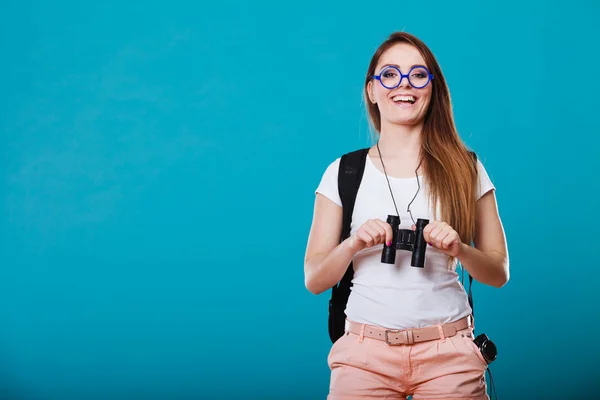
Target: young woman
(419, 168)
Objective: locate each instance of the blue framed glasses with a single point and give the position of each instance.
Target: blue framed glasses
(391, 77)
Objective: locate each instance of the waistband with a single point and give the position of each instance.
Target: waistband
(395, 337)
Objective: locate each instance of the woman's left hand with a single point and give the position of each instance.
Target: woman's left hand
(442, 236)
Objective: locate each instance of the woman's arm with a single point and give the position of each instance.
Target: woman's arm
(326, 259)
(488, 261)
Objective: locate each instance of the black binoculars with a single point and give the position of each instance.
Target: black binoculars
(406, 239)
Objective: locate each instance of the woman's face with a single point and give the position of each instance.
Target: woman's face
(405, 104)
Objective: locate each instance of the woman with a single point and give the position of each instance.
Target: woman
(419, 168)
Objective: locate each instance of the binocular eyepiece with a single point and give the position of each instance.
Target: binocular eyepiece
(406, 239)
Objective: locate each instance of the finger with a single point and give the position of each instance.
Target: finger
(439, 239)
(365, 237)
(385, 230)
(449, 240)
(433, 235)
(378, 224)
(387, 233)
(427, 231)
(376, 231)
(370, 227)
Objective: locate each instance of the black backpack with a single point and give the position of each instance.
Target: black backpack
(350, 173)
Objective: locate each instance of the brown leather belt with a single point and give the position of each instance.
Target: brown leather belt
(396, 337)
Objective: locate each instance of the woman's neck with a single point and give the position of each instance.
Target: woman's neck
(400, 140)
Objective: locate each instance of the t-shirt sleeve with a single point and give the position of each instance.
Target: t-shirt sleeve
(485, 183)
(328, 186)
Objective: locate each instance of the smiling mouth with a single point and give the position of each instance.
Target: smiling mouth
(401, 99)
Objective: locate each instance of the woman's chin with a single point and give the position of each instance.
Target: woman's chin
(406, 120)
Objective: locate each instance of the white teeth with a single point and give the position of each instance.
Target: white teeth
(410, 99)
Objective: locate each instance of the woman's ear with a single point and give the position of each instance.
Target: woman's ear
(370, 92)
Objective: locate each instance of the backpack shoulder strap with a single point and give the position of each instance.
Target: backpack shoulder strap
(350, 173)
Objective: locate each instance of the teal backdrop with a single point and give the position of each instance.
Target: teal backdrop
(159, 162)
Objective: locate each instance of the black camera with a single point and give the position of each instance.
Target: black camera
(486, 347)
(406, 239)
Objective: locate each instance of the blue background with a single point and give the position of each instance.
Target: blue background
(159, 161)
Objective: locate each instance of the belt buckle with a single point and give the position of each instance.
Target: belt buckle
(387, 341)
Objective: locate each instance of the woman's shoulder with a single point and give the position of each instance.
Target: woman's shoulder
(328, 186)
(484, 179)
(478, 162)
(332, 165)
(352, 158)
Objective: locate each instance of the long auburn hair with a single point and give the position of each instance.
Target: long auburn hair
(448, 165)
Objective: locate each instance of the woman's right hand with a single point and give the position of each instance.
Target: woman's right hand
(371, 233)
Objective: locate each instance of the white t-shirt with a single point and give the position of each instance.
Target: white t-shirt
(399, 296)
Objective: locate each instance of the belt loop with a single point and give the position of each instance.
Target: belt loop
(362, 333)
(410, 337)
(441, 330)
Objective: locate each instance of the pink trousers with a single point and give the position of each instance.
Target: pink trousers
(368, 368)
